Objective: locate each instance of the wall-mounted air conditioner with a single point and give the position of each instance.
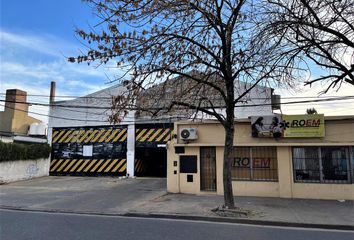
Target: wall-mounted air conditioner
(188, 134)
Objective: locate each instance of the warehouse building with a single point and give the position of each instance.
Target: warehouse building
(85, 143)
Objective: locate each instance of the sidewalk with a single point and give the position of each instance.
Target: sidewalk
(148, 198)
(287, 211)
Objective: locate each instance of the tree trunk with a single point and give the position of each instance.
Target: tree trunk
(228, 153)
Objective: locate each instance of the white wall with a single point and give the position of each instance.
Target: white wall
(259, 95)
(6, 139)
(11, 171)
(86, 116)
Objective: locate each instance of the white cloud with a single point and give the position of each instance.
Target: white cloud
(45, 44)
(35, 80)
(42, 73)
(31, 61)
(336, 107)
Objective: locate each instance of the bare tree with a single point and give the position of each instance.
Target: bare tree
(311, 111)
(321, 31)
(202, 50)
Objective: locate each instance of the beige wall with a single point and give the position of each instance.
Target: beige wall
(178, 182)
(21, 122)
(15, 118)
(212, 134)
(5, 122)
(323, 191)
(16, 121)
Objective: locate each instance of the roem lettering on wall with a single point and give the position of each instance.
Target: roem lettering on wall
(254, 164)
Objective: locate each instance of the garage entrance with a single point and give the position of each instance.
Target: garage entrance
(150, 149)
(151, 162)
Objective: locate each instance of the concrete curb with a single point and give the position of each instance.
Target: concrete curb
(190, 218)
(242, 221)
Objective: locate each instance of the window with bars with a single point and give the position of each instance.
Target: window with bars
(255, 164)
(323, 164)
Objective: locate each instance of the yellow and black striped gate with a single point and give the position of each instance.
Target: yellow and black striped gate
(150, 150)
(88, 166)
(107, 151)
(107, 148)
(152, 135)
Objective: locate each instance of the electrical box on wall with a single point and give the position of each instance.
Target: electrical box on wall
(179, 150)
(188, 164)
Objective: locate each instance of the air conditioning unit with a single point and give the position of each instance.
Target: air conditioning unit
(188, 134)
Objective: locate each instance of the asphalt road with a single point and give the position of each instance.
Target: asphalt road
(38, 225)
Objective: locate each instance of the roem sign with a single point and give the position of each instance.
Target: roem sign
(311, 125)
(287, 126)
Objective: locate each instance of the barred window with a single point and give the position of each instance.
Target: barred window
(306, 164)
(322, 164)
(255, 164)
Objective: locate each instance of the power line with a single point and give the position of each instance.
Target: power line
(46, 115)
(237, 106)
(63, 96)
(90, 120)
(56, 105)
(135, 121)
(112, 96)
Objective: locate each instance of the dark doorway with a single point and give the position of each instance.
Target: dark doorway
(207, 169)
(150, 162)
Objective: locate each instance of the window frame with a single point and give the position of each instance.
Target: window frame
(322, 180)
(251, 168)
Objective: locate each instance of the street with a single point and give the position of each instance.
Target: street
(37, 225)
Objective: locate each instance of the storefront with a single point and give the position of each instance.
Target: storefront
(310, 158)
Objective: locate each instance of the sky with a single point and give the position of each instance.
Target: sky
(35, 39)
(36, 36)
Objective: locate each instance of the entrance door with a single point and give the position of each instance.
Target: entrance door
(207, 169)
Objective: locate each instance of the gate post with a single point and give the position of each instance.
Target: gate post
(131, 149)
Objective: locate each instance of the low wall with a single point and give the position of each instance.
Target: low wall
(11, 171)
(255, 189)
(323, 191)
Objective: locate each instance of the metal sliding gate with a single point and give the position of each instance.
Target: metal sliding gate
(150, 149)
(89, 151)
